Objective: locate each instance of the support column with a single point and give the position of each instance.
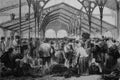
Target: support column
(5, 33)
(118, 18)
(118, 22)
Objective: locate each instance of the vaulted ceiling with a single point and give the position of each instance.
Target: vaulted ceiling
(62, 12)
(66, 13)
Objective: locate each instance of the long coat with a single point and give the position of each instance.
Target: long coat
(45, 49)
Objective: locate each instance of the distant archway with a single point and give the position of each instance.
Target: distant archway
(1, 33)
(62, 34)
(50, 33)
(108, 34)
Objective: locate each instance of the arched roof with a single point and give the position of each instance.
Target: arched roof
(67, 8)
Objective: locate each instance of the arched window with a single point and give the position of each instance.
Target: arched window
(108, 34)
(50, 33)
(62, 34)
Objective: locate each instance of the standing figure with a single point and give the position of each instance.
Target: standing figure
(82, 58)
(2, 46)
(7, 46)
(69, 54)
(44, 51)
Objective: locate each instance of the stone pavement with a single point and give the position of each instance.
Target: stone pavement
(92, 77)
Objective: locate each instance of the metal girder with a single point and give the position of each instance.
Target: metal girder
(16, 24)
(61, 15)
(53, 18)
(96, 21)
(17, 19)
(65, 22)
(84, 30)
(32, 24)
(54, 15)
(83, 27)
(57, 18)
(24, 22)
(12, 26)
(86, 26)
(67, 7)
(92, 22)
(86, 23)
(96, 25)
(12, 7)
(25, 29)
(13, 22)
(64, 9)
(83, 22)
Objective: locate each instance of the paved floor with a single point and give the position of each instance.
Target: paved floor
(92, 77)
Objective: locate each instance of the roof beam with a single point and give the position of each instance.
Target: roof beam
(59, 14)
(84, 18)
(25, 29)
(83, 27)
(24, 22)
(32, 21)
(31, 25)
(54, 18)
(67, 9)
(17, 24)
(12, 7)
(17, 28)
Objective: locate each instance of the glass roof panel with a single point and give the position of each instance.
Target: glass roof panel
(109, 14)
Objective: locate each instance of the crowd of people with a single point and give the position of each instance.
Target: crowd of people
(67, 56)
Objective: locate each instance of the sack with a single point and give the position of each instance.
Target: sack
(94, 69)
(98, 59)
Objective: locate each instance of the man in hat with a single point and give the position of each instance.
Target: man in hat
(16, 41)
(2, 46)
(7, 46)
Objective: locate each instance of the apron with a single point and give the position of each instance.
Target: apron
(83, 60)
